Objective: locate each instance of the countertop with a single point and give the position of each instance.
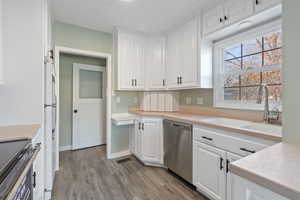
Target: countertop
(18, 132)
(197, 119)
(276, 168)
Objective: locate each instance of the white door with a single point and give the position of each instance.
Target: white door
(88, 106)
(213, 20)
(261, 5)
(209, 173)
(152, 140)
(237, 10)
(230, 180)
(155, 63)
(189, 68)
(173, 59)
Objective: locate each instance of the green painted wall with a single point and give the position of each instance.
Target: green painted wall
(66, 89)
(81, 38)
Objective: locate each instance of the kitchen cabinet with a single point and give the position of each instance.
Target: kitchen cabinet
(38, 169)
(246, 190)
(129, 60)
(149, 140)
(209, 174)
(227, 13)
(261, 5)
(230, 180)
(155, 63)
(1, 47)
(182, 56)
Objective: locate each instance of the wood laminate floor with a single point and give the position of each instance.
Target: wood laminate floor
(88, 175)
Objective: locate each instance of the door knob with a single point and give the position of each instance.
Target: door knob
(75, 111)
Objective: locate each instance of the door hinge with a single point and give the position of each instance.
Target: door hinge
(49, 58)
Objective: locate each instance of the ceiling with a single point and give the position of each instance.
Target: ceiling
(150, 16)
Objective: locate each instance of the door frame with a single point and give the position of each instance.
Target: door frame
(61, 49)
(98, 68)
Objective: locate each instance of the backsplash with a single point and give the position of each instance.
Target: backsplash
(123, 100)
(197, 97)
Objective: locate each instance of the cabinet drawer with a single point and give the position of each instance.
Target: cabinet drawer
(233, 144)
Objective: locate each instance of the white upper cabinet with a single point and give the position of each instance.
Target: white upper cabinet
(236, 10)
(129, 60)
(155, 65)
(213, 19)
(183, 55)
(261, 5)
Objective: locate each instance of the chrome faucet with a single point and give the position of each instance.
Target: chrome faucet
(268, 115)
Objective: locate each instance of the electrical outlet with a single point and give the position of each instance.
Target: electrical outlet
(200, 100)
(188, 100)
(118, 100)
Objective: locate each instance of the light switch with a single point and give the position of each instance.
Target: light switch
(188, 100)
(118, 100)
(200, 100)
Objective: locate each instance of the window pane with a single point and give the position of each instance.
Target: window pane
(249, 93)
(272, 77)
(232, 52)
(90, 84)
(233, 66)
(231, 80)
(272, 41)
(250, 79)
(252, 46)
(275, 92)
(252, 62)
(231, 94)
(273, 57)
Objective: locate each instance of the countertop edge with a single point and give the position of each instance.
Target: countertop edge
(245, 132)
(265, 182)
(34, 129)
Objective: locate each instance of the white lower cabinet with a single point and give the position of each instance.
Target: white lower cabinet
(246, 190)
(209, 170)
(38, 169)
(230, 180)
(148, 137)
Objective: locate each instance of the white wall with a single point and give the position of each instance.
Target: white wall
(21, 97)
(291, 71)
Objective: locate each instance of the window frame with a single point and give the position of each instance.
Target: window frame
(218, 63)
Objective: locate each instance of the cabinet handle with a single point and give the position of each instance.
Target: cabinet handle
(135, 82)
(221, 164)
(247, 150)
(227, 166)
(132, 82)
(139, 125)
(164, 82)
(225, 18)
(34, 179)
(207, 138)
(256, 2)
(221, 20)
(142, 126)
(180, 80)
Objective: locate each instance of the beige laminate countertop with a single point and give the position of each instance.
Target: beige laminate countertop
(276, 168)
(197, 119)
(18, 132)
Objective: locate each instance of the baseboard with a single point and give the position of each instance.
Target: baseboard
(119, 154)
(65, 148)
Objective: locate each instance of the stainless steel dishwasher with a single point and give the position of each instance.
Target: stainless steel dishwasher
(178, 148)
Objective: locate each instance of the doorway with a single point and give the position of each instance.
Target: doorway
(88, 106)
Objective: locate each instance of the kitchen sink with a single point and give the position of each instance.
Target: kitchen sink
(265, 128)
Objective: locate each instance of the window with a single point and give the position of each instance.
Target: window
(246, 61)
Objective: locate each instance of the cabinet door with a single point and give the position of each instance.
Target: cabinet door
(209, 173)
(152, 140)
(261, 5)
(138, 140)
(213, 19)
(125, 60)
(173, 59)
(138, 45)
(155, 63)
(189, 68)
(246, 190)
(237, 10)
(132, 144)
(230, 180)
